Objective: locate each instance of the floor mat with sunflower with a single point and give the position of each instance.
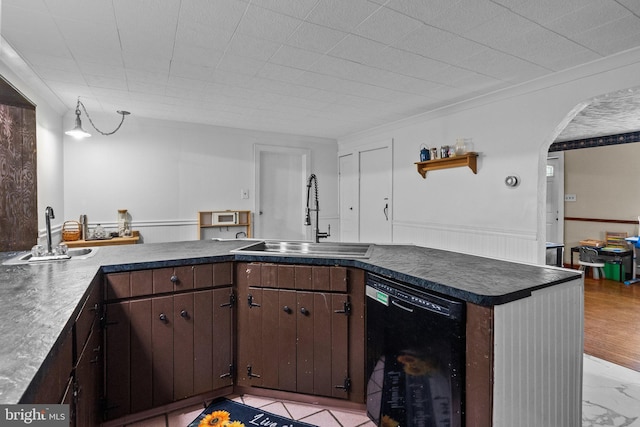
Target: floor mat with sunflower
(227, 413)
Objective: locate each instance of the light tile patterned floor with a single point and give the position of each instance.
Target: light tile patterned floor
(611, 397)
(312, 414)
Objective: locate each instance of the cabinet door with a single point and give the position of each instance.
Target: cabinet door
(305, 316)
(117, 362)
(250, 347)
(286, 341)
(141, 375)
(222, 340)
(87, 382)
(162, 349)
(323, 344)
(203, 342)
(183, 344)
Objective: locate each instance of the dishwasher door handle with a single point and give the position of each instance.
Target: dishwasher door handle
(410, 310)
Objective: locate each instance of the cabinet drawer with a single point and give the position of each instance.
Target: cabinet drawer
(299, 277)
(212, 275)
(172, 279)
(128, 284)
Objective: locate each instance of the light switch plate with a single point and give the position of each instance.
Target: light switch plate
(570, 198)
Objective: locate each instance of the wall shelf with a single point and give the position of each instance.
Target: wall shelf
(208, 219)
(468, 159)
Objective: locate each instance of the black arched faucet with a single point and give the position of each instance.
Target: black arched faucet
(307, 220)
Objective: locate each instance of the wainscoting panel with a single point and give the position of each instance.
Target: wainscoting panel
(538, 358)
(502, 244)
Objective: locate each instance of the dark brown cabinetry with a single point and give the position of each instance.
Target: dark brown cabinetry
(168, 335)
(301, 329)
(71, 373)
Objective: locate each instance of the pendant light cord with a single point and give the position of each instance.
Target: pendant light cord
(124, 113)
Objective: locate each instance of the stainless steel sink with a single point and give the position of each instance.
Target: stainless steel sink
(307, 249)
(75, 253)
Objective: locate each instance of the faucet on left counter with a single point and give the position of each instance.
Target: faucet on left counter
(48, 216)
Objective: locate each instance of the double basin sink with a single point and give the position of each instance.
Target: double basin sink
(263, 247)
(75, 253)
(307, 249)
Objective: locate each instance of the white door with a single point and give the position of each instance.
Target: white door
(280, 191)
(555, 203)
(375, 195)
(348, 198)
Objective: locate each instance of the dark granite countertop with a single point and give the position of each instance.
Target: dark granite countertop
(40, 300)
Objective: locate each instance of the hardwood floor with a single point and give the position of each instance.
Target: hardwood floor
(612, 321)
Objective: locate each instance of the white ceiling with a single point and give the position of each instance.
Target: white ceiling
(325, 68)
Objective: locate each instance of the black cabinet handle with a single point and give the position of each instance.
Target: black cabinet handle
(287, 309)
(250, 301)
(347, 309)
(232, 301)
(174, 279)
(304, 311)
(163, 318)
(184, 314)
(346, 385)
(250, 373)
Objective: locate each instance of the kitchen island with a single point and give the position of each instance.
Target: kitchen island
(532, 313)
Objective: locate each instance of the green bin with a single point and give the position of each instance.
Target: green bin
(612, 271)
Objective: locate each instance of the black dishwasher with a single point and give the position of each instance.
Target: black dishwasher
(415, 356)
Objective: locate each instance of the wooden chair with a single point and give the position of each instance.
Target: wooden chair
(588, 257)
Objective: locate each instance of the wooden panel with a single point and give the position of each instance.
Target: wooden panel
(140, 353)
(306, 339)
(117, 286)
(141, 282)
(321, 278)
(204, 341)
(357, 336)
(162, 345)
(303, 277)
(89, 378)
(183, 332)
(185, 278)
(322, 318)
(117, 367)
(249, 323)
(223, 274)
(88, 315)
(339, 347)
(286, 343)
(18, 189)
(162, 280)
(202, 276)
(286, 277)
(223, 338)
(269, 277)
(269, 349)
(253, 274)
(338, 278)
(479, 365)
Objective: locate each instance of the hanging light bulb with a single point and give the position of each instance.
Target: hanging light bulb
(79, 133)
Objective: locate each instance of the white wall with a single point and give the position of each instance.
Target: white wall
(49, 112)
(165, 172)
(512, 130)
